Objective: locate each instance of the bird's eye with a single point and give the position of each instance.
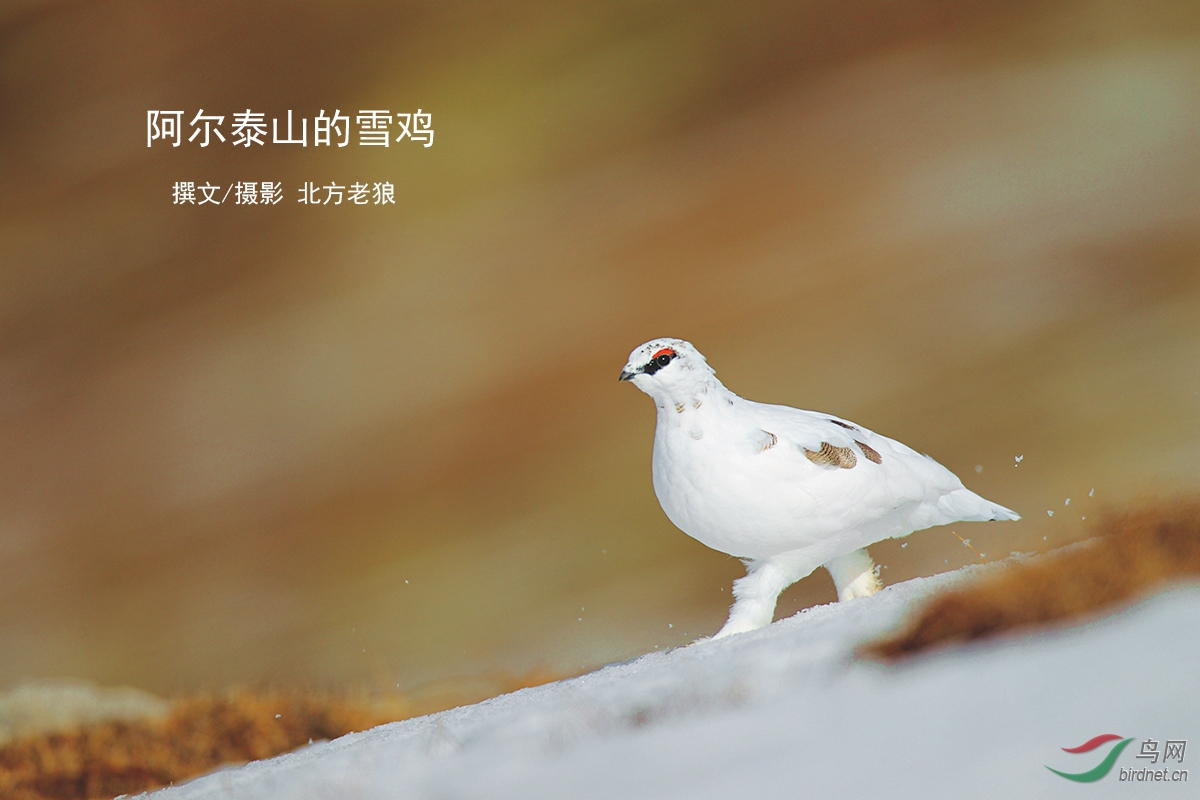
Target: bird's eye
(663, 360)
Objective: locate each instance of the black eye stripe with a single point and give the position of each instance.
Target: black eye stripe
(658, 363)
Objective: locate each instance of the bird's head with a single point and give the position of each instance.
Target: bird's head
(667, 368)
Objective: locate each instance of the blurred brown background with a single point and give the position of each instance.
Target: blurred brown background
(387, 446)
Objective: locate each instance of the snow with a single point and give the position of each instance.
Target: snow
(787, 711)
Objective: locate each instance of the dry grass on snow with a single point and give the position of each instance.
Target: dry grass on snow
(200, 734)
(1133, 554)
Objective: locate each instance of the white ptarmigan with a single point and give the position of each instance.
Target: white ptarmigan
(783, 489)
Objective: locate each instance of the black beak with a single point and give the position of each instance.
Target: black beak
(626, 374)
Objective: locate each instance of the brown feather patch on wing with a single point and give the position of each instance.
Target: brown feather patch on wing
(845, 425)
(871, 453)
(832, 456)
(768, 445)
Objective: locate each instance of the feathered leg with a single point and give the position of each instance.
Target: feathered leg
(854, 575)
(755, 594)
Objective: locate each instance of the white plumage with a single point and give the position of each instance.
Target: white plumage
(783, 489)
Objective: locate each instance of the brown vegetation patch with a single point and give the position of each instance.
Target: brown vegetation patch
(1134, 553)
(199, 734)
(202, 733)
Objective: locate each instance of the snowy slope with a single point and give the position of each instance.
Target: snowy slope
(786, 712)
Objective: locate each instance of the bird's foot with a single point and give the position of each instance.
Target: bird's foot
(864, 585)
(854, 575)
(739, 624)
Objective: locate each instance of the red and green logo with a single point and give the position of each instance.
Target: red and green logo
(1104, 767)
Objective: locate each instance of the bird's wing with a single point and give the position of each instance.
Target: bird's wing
(825, 440)
(857, 464)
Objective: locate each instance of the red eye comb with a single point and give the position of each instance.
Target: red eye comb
(666, 351)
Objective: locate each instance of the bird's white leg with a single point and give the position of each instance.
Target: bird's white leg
(755, 594)
(854, 575)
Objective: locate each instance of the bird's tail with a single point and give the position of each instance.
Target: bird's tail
(970, 507)
(1003, 513)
